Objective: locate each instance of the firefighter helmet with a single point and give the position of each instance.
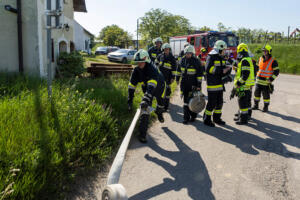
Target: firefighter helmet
(267, 48)
(220, 45)
(166, 46)
(141, 56)
(157, 40)
(242, 47)
(197, 103)
(189, 49)
(186, 44)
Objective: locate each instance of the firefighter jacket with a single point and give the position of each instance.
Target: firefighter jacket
(214, 71)
(180, 56)
(167, 66)
(154, 52)
(150, 77)
(268, 70)
(245, 73)
(191, 73)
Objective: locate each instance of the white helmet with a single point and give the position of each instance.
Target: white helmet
(141, 56)
(220, 45)
(166, 46)
(186, 44)
(189, 49)
(157, 40)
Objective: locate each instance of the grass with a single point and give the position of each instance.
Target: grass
(43, 143)
(287, 55)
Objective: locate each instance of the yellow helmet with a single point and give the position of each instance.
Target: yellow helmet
(267, 48)
(203, 50)
(242, 47)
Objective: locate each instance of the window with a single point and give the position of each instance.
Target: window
(192, 41)
(197, 42)
(231, 41)
(63, 46)
(203, 42)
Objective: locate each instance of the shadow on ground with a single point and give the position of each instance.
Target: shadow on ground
(189, 172)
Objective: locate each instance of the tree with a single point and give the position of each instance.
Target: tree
(113, 35)
(160, 23)
(205, 28)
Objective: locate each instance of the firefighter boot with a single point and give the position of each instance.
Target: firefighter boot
(249, 113)
(255, 107)
(218, 120)
(167, 103)
(144, 120)
(159, 113)
(266, 108)
(193, 116)
(207, 120)
(243, 120)
(186, 114)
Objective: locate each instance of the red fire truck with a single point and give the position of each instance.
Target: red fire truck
(205, 39)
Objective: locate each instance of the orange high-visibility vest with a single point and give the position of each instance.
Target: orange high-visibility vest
(265, 68)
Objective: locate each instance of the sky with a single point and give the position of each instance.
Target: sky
(271, 15)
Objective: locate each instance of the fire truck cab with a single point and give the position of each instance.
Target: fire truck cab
(205, 40)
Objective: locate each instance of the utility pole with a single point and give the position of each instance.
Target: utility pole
(49, 51)
(137, 34)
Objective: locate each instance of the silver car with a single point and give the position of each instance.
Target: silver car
(121, 55)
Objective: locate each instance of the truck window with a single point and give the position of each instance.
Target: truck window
(197, 42)
(192, 41)
(203, 42)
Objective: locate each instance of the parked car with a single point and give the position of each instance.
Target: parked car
(121, 55)
(105, 50)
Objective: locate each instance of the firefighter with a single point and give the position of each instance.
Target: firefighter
(243, 82)
(182, 51)
(216, 70)
(191, 74)
(267, 73)
(156, 49)
(148, 74)
(201, 55)
(167, 66)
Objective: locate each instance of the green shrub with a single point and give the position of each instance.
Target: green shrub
(70, 64)
(43, 142)
(287, 56)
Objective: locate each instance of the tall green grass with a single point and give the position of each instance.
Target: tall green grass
(287, 55)
(44, 142)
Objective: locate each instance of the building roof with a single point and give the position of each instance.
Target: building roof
(79, 5)
(89, 33)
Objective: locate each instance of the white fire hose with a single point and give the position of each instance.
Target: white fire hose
(113, 190)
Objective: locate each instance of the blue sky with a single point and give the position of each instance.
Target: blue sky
(272, 15)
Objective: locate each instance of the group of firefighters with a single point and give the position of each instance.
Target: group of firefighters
(157, 69)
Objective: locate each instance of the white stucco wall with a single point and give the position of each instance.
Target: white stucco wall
(9, 38)
(81, 37)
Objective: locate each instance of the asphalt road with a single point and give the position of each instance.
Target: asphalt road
(260, 161)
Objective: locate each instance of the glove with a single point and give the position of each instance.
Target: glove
(144, 105)
(181, 95)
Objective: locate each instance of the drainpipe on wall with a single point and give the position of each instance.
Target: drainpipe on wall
(18, 11)
(20, 36)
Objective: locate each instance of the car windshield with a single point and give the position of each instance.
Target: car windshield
(102, 48)
(121, 51)
(231, 41)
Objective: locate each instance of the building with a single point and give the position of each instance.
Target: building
(35, 34)
(83, 38)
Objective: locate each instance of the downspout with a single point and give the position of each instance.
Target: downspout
(20, 36)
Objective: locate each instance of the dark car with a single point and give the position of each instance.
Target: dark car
(105, 50)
